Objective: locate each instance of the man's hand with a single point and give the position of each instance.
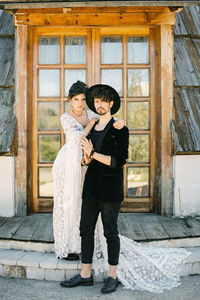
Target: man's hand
(86, 146)
(119, 124)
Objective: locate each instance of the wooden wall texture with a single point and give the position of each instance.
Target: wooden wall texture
(186, 123)
(185, 127)
(7, 117)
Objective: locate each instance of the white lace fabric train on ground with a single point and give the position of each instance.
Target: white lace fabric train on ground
(140, 267)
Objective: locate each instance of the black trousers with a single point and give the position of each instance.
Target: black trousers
(109, 215)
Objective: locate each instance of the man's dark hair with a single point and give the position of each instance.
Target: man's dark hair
(77, 88)
(103, 93)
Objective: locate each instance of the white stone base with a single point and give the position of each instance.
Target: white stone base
(7, 186)
(186, 173)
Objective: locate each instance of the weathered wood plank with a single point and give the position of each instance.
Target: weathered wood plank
(137, 232)
(27, 228)
(94, 19)
(10, 226)
(192, 224)
(173, 227)
(8, 120)
(44, 231)
(6, 61)
(152, 228)
(124, 228)
(2, 220)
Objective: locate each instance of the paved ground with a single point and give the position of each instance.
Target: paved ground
(23, 289)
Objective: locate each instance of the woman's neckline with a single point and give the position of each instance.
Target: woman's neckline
(77, 120)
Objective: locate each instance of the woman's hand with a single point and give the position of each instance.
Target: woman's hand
(119, 124)
(86, 146)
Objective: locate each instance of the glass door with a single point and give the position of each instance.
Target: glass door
(120, 58)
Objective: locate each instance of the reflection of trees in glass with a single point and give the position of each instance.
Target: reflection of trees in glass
(48, 116)
(138, 82)
(119, 114)
(49, 147)
(139, 148)
(138, 115)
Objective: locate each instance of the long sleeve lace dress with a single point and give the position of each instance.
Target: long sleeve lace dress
(140, 267)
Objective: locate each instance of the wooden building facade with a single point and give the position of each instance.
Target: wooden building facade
(130, 45)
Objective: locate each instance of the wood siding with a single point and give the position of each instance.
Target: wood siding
(185, 127)
(7, 118)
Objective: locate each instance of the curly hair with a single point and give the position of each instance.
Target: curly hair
(77, 88)
(103, 93)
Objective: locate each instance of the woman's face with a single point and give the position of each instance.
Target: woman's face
(78, 102)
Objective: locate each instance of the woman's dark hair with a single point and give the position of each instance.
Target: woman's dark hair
(77, 88)
(104, 93)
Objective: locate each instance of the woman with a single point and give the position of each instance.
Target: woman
(68, 174)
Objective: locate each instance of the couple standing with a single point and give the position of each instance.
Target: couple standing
(105, 152)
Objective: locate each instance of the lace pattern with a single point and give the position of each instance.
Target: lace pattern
(140, 267)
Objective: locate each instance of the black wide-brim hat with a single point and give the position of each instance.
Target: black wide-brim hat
(100, 90)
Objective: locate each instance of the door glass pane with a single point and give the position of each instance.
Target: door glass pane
(67, 107)
(49, 146)
(71, 76)
(111, 50)
(113, 77)
(138, 82)
(49, 50)
(138, 115)
(75, 50)
(138, 50)
(139, 148)
(49, 83)
(138, 182)
(45, 182)
(48, 116)
(120, 114)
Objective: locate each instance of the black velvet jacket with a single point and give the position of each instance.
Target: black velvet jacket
(102, 182)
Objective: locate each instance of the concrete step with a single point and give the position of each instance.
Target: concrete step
(45, 266)
(49, 247)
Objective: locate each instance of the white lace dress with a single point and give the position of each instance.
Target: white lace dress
(140, 267)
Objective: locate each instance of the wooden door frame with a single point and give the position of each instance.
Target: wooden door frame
(163, 24)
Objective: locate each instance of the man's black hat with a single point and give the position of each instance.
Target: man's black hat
(101, 91)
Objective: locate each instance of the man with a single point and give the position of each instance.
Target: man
(105, 151)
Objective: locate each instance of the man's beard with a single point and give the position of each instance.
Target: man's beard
(101, 112)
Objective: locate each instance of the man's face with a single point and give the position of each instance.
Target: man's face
(102, 107)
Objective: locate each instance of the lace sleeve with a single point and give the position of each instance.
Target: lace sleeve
(92, 115)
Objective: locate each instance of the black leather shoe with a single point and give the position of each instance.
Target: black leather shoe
(110, 285)
(71, 256)
(76, 281)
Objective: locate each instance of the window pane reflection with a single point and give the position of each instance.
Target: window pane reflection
(75, 50)
(120, 114)
(49, 83)
(113, 77)
(138, 182)
(49, 50)
(71, 76)
(138, 82)
(49, 146)
(45, 182)
(111, 50)
(139, 148)
(138, 115)
(48, 116)
(138, 50)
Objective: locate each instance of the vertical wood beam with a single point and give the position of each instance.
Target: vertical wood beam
(166, 97)
(21, 114)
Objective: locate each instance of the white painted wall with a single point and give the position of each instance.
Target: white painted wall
(6, 186)
(186, 169)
